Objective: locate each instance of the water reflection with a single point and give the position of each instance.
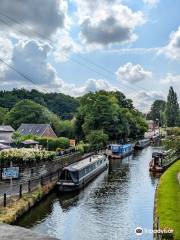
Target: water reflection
(110, 207)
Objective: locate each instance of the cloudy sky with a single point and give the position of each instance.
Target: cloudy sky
(77, 46)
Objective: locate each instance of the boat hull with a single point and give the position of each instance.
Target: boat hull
(120, 156)
(137, 147)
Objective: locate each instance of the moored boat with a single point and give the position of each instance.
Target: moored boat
(142, 144)
(117, 151)
(156, 164)
(78, 175)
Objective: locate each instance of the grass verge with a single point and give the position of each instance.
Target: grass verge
(168, 200)
(18, 207)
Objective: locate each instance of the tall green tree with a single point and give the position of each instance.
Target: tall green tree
(172, 109)
(3, 112)
(157, 111)
(111, 113)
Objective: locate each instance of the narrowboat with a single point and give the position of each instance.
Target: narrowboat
(142, 144)
(78, 175)
(156, 164)
(155, 138)
(117, 151)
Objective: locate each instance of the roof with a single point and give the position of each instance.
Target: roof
(30, 142)
(6, 128)
(2, 146)
(35, 129)
(81, 164)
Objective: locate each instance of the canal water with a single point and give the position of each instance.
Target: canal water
(109, 208)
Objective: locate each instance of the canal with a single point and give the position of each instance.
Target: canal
(109, 208)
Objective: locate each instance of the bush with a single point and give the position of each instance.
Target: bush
(83, 147)
(25, 155)
(97, 139)
(53, 143)
(173, 131)
(49, 143)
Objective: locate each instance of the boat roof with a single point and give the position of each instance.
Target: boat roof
(83, 163)
(120, 145)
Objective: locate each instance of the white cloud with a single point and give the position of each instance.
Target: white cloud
(91, 85)
(172, 50)
(30, 59)
(170, 79)
(132, 73)
(151, 3)
(107, 23)
(142, 100)
(39, 18)
(65, 46)
(6, 48)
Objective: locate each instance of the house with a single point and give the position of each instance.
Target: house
(41, 130)
(6, 133)
(151, 125)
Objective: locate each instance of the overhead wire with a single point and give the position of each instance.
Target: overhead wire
(70, 58)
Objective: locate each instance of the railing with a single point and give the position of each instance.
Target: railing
(16, 190)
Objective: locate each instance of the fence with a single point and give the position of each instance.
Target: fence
(10, 192)
(17, 189)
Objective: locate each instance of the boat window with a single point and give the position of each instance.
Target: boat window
(65, 175)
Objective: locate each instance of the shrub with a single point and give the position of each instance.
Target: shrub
(97, 139)
(25, 155)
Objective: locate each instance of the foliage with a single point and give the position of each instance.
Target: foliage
(172, 109)
(27, 111)
(110, 112)
(168, 198)
(97, 139)
(25, 155)
(173, 131)
(157, 112)
(17, 138)
(173, 142)
(63, 105)
(54, 143)
(3, 112)
(51, 144)
(83, 147)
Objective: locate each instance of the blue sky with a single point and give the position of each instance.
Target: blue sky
(77, 46)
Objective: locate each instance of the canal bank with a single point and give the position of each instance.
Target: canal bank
(111, 207)
(167, 200)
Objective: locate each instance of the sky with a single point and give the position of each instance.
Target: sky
(80, 46)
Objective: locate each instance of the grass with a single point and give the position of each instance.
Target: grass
(168, 200)
(18, 207)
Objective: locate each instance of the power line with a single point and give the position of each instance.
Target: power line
(20, 73)
(71, 59)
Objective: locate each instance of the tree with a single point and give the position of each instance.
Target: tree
(172, 109)
(157, 112)
(63, 105)
(3, 112)
(110, 112)
(27, 111)
(97, 139)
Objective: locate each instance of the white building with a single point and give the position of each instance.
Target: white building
(6, 133)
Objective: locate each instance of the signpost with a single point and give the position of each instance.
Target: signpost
(72, 142)
(10, 173)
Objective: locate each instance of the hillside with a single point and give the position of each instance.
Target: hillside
(63, 105)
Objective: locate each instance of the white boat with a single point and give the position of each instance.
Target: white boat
(78, 175)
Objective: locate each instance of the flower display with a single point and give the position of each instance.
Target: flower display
(25, 155)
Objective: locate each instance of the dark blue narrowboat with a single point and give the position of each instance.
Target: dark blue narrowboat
(78, 175)
(119, 151)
